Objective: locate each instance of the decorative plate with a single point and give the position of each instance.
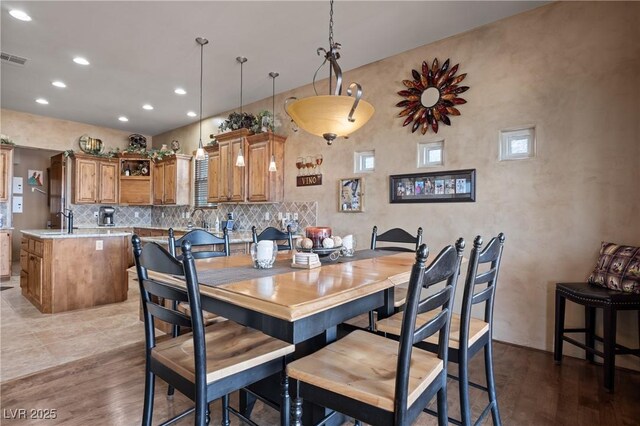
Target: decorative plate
(137, 141)
(431, 96)
(90, 145)
(175, 145)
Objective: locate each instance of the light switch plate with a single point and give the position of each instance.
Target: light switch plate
(279, 215)
(98, 244)
(136, 214)
(95, 214)
(295, 216)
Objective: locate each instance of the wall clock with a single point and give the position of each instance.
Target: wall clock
(431, 96)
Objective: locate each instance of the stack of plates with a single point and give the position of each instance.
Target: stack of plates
(305, 260)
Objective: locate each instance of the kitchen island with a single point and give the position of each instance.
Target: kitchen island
(63, 272)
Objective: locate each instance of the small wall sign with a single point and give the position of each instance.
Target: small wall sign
(309, 180)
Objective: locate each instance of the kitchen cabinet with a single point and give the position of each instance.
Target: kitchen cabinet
(95, 180)
(85, 271)
(5, 249)
(230, 178)
(6, 165)
(136, 181)
(263, 185)
(172, 180)
(213, 174)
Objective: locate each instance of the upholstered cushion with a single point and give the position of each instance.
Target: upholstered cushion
(618, 268)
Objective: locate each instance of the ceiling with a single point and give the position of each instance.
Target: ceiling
(139, 52)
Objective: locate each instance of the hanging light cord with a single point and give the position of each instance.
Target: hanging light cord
(273, 101)
(201, 72)
(241, 65)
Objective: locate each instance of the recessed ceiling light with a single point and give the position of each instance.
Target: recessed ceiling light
(80, 60)
(191, 114)
(180, 91)
(42, 101)
(123, 118)
(147, 107)
(58, 83)
(19, 14)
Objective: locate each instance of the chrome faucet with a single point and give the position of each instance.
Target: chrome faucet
(204, 222)
(69, 217)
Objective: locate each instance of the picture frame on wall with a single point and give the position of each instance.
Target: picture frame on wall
(351, 195)
(435, 187)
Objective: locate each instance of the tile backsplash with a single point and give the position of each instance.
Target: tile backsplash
(246, 215)
(4, 214)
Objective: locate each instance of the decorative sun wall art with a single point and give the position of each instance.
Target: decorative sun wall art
(431, 96)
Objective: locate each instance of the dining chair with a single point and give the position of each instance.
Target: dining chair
(201, 238)
(378, 380)
(395, 235)
(207, 363)
(274, 234)
(468, 335)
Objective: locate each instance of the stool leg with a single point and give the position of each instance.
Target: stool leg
(609, 337)
(491, 383)
(559, 327)
(463, 387)
(590, 326)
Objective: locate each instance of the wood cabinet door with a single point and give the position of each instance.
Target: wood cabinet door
(258, 177)
(4, 175)
(170, 184)
(108, 182)
(34, 283)
(57, 189)
(158, 183)
(85, 181)
(224, 172)
(213, 177)
(5, 249)
(237, 174)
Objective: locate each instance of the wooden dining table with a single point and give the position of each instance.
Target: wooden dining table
(299, 306)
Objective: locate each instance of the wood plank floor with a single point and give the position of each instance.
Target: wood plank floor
(107, 389)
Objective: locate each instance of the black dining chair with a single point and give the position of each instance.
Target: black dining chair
(468, 335)
(201, 238)
(378, 380)
(395, 235)
(274, 234)
(207, 363)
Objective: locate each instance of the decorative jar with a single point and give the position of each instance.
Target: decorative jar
(264, 254)
(317, 234)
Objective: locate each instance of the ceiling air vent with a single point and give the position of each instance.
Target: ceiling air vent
(12, 59)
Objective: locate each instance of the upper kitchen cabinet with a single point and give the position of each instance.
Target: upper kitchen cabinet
(172, 180)
(136, 180)
(263, 185)
(230, 178)
(6, 163)
(213, 174)
(95, 180)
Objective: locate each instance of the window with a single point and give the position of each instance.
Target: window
(364, 161)
(517, 144)
(200, 183)
(431, 154)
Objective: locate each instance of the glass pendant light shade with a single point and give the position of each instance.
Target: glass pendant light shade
(200, 153)
(240, 158)
(272, 164)
(327, 116)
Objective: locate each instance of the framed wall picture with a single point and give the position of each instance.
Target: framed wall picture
(351, 195)
(435, 187)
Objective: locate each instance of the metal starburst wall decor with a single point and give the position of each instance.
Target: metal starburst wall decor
(431, 96)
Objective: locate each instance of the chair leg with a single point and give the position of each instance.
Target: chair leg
(202, 409)
(609, 337)
(285, 401)
(149, 388)
(372, 321)
(463, 387)
(590, 326)
(225, 411)
(491, 383)
(559, 327)
(296, 406)
(443, 415)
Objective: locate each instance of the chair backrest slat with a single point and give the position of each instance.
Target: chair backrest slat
(164, 291)
(446, 266)
(396, 235)
(272, 234)
(201, 238)
(485, 277)
(485, 294)
(168, 315)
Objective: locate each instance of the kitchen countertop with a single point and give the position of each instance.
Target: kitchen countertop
(77, 233)
(235, 237)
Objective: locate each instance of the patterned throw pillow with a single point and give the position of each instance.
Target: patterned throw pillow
(618, 268)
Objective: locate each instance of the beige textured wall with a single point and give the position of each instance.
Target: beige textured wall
(36, 131)
(571, 69)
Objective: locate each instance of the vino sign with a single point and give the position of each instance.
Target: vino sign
(309, 180)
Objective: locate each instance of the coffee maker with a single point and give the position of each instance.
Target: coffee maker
(105, 217)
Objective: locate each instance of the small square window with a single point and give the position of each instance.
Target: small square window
(431, 154)
(364, 161)
(517, 144)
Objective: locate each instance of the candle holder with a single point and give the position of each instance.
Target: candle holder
(264, 254)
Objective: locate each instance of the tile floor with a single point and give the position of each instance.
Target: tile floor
(31, 341)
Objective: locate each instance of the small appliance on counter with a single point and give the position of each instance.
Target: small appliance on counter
(105, 216)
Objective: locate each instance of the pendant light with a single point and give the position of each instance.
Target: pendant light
(240, 158)
(331, 116)
(273, 75)
(200, 153)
